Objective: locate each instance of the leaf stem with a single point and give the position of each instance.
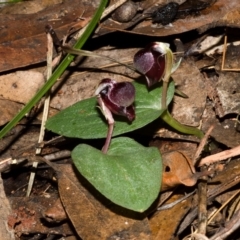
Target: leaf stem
(58, 72)
(167, 117)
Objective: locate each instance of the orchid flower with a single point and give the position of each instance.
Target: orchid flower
(118, 98)
(156, 62)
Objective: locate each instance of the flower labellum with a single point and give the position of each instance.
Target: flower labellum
(155, 62)
(118, 97)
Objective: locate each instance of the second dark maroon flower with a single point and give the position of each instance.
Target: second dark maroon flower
(151, 62)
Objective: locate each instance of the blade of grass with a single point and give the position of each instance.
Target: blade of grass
(58, 72)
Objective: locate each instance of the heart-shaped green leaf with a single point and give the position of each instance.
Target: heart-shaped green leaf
(84, 119)
(129, 174)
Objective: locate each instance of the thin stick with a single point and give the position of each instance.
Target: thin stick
(202, 205)
(224, 52)
(45, 111)
(172, 204)
(220, 156)
(202, 188)
(202, 144)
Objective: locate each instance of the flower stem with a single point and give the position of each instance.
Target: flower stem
(164, 95)
(167, 117)
(108, 138)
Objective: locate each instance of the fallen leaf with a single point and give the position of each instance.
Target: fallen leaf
(5, 232)
(164, 223)
(8, 110)
(95, 217)
(178, 169)
(23, 39)
(28, 7)
(221, 13)
(20, 86)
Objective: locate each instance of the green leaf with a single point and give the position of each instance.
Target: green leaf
(84, 119)
(129, 174)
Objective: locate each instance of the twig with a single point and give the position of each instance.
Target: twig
(202, 144)
(5, 164)
(45, 111)
(220, 156)
(202, 205)
(202, 188)
(170, 205)
(58, 155)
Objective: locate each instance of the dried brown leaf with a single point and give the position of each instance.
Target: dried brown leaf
(28, 7)
(8, 110)
(5, 232)
(164, 223)
(178, 170)
(23, 37)
(20, 86)
(95, 217)
(221, 13)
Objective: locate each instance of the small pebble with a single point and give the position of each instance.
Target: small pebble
(125, 12)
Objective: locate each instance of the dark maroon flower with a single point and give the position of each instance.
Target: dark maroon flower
(156, 62)
(150, 61)
(118, 97)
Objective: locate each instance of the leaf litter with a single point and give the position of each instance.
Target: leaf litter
(213, 99)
